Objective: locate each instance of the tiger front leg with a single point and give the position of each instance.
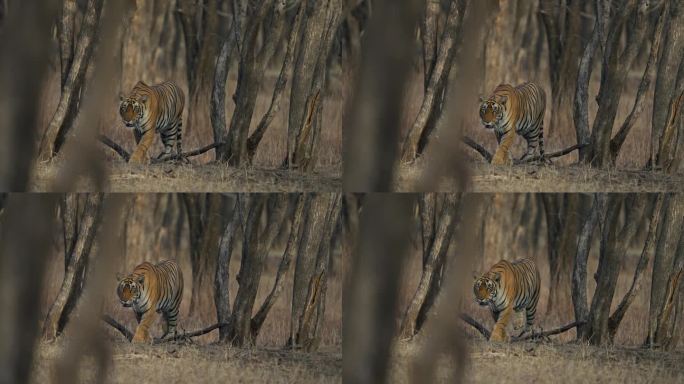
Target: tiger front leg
(139, 156)
(142, 333)
(499, 331)
(502, 155)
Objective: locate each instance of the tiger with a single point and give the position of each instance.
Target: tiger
(506, 288)
(152, 289)
(520, 109)
(149, 109)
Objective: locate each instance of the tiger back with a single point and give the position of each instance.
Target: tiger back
(506, 288)
(509, 110)
(154, 109)
(151, 290)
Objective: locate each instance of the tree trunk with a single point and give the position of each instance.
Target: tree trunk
(372, 290)
(438, 82)
(375, 112)
(222, 277)
(68, 106)
(69, 292)
(439, 245)
(308, 82)
(308, 292)
(26, 223)
(22, 70)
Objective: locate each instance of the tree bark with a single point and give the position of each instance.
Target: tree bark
(437, 252)
(69, 292)
(68, 106)
(222, 276)
(438, 82)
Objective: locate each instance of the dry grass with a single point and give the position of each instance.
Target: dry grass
(485, 177)
(553, 363)
(203, 364)
(124, 177)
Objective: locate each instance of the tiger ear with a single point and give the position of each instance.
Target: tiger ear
(497, 277)
(141, 279)
(119, 276)
(121, 97)
(482, 99)
(504, 99)
(475, 275)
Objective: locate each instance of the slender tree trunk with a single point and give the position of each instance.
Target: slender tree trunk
(69, 292)
(72, 89)
(222, 278)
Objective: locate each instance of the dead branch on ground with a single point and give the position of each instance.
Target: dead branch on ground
(183, 156)
(531, 336)
(180, 336)
(488, 156)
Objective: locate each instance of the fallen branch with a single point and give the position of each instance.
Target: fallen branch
(488, 156)
(183, 156)
(116, 147)
(119, 327)
(180, 336)
(481, 328)
(531, 336)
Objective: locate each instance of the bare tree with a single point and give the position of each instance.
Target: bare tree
(438, 226)
(438, 73)
(81, 236)
(75, 58)
(310, 279)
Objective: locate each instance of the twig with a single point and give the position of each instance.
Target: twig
(116, 147)
(486, 333)
(129, 335)
(488, 156)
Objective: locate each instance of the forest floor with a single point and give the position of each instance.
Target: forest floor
(123, 177)
(533, 178)
(202, 364)
(550, 362)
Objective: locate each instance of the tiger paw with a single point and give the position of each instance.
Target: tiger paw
(498, 336)
(142, 338)
(501, 160)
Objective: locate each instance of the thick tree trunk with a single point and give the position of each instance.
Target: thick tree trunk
(22, 70)
(375, 112)
(371, 294)
(26, 223)
(69, 292)
(664, 267)
(68, 106)
(308, 292)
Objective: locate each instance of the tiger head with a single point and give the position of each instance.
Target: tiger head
(132, 109)
(492, 110)
(486, 287)
(130, 289)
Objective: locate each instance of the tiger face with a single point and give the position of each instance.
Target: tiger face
(132, 109)
(485, 289)
(492, 111)
(129, 290)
